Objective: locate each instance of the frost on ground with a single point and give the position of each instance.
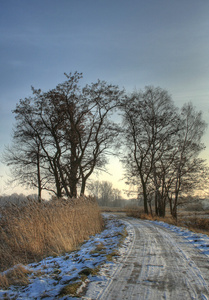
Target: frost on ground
(200, 241)
(154, 261)
(52, 274)
(161, 264)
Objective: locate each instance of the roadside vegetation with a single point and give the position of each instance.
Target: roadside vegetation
(195, 221)
(31, 232)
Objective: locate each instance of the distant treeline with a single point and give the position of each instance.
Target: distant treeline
(17, 199)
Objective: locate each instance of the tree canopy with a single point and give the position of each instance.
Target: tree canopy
(162, 147)
(61, 136)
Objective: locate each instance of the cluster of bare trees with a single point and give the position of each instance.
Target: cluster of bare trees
(105, 193)
(162, 148)
(62, 135)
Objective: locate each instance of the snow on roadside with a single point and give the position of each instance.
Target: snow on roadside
(199, 240)
(50, 275)
(109, 270)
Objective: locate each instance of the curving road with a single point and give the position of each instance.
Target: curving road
(160, 264)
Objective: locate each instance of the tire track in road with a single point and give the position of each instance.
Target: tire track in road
(160, 265)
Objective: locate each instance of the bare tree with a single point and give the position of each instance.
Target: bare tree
(105, 193)
(100, 132)
(162, 149)
(150, 121)
(25, 155)
(70, 130)
(187, 167)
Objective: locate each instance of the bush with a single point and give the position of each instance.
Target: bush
(135, 212)
(199, 223)
(194, 207)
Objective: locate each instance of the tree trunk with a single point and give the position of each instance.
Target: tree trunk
(74, 164)
(161, 205)
(39, 176)
(83, 185)
(64, 183)
(174, 209)
(146, 211)
(156, 205)
(150, 207)
(73, 189)
(57, 180)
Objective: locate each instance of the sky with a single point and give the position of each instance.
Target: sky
(128, 43)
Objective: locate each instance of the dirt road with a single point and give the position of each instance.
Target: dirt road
(160, 264)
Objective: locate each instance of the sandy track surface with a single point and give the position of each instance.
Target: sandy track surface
(160, 264)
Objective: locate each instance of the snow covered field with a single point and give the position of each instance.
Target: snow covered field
(154, 261)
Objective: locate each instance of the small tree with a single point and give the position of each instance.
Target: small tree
(25, 155)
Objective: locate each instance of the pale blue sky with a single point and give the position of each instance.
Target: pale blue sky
(130, 43)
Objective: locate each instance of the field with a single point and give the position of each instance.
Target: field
(194, 220)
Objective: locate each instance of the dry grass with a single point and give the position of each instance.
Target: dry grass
(110, 256)
(112, 209)
(70, 289)
(135, 212)
(198, 222)
(17, 275)
(89, 271)
(34, 231)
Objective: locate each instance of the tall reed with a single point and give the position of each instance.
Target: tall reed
(31, 232)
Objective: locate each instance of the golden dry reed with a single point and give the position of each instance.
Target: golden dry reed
(31, 232)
